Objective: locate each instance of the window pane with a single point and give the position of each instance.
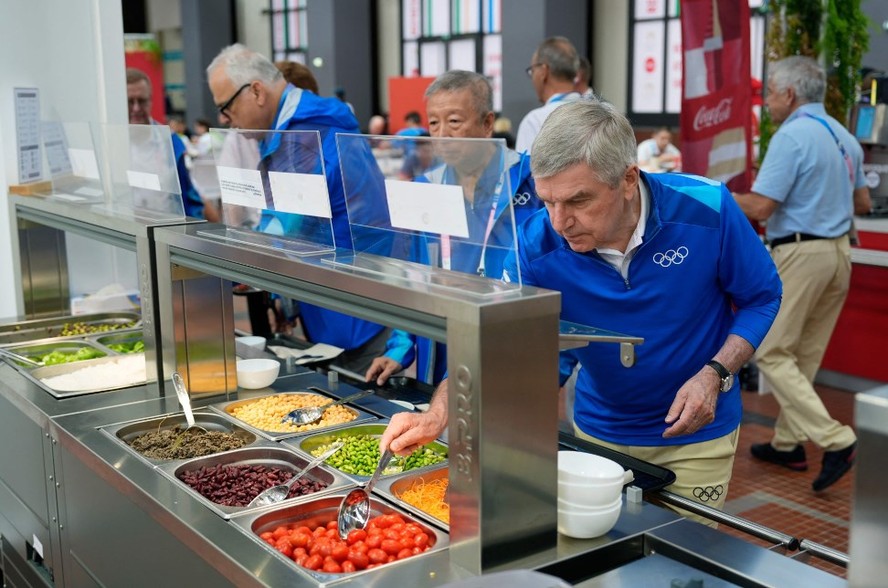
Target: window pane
(277, 28)
(410, 13)
(647, 67)
(674, 7)
(491, 16)
(410, 60)
(493, 67)
(645, 9)
(466, 16)
(432, 59)
(293, 19)
(673, 71)
(462, 55)
(436, 17)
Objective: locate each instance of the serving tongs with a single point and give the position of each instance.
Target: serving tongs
(21, 358)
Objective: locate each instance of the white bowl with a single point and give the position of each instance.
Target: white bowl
(588, 525)
(257, 373)
(573, 507)
(578, 467)
(252, 341)
(590, 493)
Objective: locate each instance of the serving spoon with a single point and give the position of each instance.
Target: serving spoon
(281, 491)
(354, 510)
(310, 414)
(185, 401)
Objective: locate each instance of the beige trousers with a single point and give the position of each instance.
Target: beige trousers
(702, 470)
(816, 276)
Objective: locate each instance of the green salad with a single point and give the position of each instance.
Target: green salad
(56, 357)
(127, 347)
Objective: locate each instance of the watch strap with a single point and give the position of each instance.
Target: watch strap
(721, 370)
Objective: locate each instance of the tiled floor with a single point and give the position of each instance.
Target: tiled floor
(782, 499)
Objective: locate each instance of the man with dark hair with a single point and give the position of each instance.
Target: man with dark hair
(552, 71)
(414, 128)
(138, 95)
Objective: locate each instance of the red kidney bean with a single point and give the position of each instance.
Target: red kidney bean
(237, 485)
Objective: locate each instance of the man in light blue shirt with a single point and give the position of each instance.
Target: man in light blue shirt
(810, 184)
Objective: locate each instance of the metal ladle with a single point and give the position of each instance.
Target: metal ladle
(354, 510)
(281, 491)
(310, 414)
(185, 401)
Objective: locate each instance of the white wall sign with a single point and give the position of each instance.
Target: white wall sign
(647, 69)
(27, 134)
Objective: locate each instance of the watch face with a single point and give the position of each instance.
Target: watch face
(727, 383)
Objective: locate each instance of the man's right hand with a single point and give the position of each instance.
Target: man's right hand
(408, 431)
(382, 369)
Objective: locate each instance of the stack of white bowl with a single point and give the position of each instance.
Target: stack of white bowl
(589, 494)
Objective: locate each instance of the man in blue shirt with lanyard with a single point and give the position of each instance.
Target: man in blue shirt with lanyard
(251, 93)
(809, 185)
(459, 104)
(667, 257)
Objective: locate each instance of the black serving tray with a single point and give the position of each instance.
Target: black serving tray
(648, 477)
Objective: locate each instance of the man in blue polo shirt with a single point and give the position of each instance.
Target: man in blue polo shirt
(251, 93)
(667, 257)
(810, 183)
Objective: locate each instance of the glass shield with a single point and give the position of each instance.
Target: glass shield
(446, 203)
(141, 162)
(73, 162)
(274, 190)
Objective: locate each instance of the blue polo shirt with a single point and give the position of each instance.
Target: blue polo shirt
(805, 172)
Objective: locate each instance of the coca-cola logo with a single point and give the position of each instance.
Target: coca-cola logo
(710, 117)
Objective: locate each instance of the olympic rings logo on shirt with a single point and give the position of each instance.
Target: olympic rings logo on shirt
(670, 257)
(708, 493)
(520, 198)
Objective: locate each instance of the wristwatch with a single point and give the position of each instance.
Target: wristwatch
(725, 376)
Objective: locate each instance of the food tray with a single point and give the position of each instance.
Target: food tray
(648, 477)
(227, 409)
(391, 488)
(37, 374)
(121, 337)
(266, 453)
(321, 510)
(35, 350)
(17, 332)
(310, 443)
(124, 432)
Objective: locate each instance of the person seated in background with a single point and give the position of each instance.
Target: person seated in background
(202, 140)
(502, 129)
(378, 125)
(419, 162)
(138, 95)
(298, 75)
(251, 93)
(414, 128)
(459, 104)
(658, 154)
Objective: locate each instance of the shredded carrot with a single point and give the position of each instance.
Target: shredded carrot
(429, 497)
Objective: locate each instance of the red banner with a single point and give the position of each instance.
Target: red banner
(716, 106)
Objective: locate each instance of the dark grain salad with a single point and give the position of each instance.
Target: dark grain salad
(177, 443)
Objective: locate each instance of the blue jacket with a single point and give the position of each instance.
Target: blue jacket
(191, 201)
(304, 111)
(700, 274)
(431, 356)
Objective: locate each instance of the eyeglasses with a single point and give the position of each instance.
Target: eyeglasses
(529, 70)
(230, 101)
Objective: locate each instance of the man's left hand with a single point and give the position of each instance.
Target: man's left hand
(694, 405)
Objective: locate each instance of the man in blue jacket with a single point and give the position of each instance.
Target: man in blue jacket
(459, 104)
(670, 258)
(251, 93)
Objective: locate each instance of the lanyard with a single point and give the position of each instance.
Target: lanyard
(845, 155)
(491, 220)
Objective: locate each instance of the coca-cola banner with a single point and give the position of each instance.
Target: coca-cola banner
(716, 105)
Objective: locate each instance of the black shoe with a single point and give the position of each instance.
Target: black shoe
(835, 465)
(794, 460)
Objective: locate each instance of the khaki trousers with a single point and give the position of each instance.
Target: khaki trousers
(816, 276)
(702, 470)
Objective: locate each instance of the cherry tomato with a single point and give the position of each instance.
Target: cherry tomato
(373, 541)
(360, 560)
(266, 535)
(421, 540)
(300, 559)
(348, 567)
(356, 535)
(300, 539)
(377, 556)
(340, 552)
(302, 529)
(284, 547)
(331, 567)
(280, 532)
(390, 559)
(314, 562)
(390, 547)
(405, 553)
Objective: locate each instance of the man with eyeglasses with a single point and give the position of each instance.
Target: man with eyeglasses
(552, 71)
(138, 94)
(251, 93)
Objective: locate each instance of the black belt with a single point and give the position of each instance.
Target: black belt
(794, 238)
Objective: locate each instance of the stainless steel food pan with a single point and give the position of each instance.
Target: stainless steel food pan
(17, 332)
(124, 433)
(38, 374)
(228, 409)
(268, 454)
(392, 487)
(35, 350)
